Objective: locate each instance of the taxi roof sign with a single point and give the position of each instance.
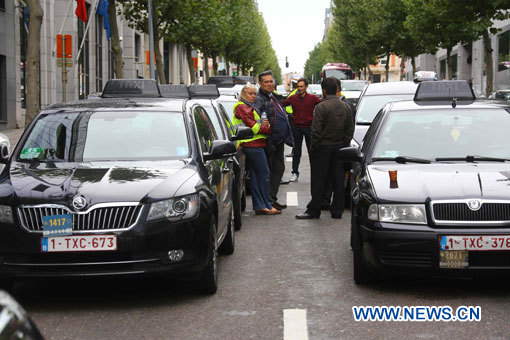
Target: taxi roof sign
(420, 76)
(122, 88)
(444, 91)
(203, 91)
(174, 91)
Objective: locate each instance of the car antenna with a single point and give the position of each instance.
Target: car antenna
(454, 102)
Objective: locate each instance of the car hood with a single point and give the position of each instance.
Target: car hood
(359, 132)
(98, 182)
(419, 182)
(351, 94)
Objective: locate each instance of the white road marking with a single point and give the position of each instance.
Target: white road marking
(288, 159)
(292, 200)
(294, 324)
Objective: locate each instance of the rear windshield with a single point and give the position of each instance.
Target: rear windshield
(369, 105)
(94, 136)
(353, 85)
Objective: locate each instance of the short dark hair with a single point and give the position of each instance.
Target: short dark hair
(265, 73)
(338, 84)
(303, 80)
(329, 85)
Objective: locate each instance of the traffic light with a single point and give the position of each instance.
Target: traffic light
(235, 73)
(286, 63)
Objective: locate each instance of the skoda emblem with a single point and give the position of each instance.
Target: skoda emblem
(79, 202)
(474, 204)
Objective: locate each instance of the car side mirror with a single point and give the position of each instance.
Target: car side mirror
(242, 132)
(351, 154)
(4, 154)
(220, 149)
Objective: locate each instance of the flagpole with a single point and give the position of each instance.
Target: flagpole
(94, 7)
(63, 23)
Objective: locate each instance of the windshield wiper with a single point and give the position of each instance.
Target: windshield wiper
(403, 159)
(472, 159)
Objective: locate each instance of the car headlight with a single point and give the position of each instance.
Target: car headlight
(398, 213)
(175, 209)
(6, 214)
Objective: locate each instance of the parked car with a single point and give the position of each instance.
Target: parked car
(221, 81)
(430, 190)
(352, 89)
(129, 184)
(315, 89)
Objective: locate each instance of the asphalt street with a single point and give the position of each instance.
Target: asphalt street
(288, 279)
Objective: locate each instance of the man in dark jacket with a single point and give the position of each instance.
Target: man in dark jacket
(332, 129)
(267, 102)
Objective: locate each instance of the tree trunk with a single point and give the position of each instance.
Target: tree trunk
(115, 41)
(227, 67)
(388, 55)
(160, 68)
(413, 63)
(215, 65)
(33, 98)
(206, 67)
(368, 68)
(191, 64)
(402, 66)
(449, 62)
(487, 48)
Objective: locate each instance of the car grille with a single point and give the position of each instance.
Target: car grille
(489, 212)
(96, 219)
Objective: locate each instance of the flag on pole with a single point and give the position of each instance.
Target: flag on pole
(102, 9)
(81, 10)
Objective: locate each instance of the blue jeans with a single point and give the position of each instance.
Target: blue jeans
(299, 133)
(259, 173)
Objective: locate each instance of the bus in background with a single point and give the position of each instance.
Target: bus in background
(337, 70)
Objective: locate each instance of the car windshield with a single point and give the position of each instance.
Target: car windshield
(353, 85)
(339, 74)
(369, 106)
(113, 135)
(445, 133)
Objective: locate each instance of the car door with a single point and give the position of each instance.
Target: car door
(220, 175)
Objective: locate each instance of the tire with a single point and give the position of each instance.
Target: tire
(362, 273)
(237, 207)
(229, 243)
(208, 282)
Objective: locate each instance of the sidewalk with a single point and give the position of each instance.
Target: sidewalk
(13, 135)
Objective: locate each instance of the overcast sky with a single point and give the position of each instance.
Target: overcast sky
(295, 27)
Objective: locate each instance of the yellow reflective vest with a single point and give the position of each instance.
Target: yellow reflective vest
(255, 128)
(288, 108)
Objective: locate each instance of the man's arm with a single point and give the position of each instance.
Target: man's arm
(317, 122)
(349, 126)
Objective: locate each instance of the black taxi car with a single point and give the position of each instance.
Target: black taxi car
(431, 187)
(129, 184)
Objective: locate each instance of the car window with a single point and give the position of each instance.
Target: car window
(229, 106)
(215, 121)
(371, 131)
(226, 117)
(112, 135)
(205, 129)
(370, 105)
(445, 133)
(353, 85)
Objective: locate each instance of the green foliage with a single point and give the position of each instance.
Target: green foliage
(318, 57)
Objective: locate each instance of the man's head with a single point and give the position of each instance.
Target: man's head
(266, 82)
(339, 87)
(329, 87)
(302, 86)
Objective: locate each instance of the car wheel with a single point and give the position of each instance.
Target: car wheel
(229, 243)
(237, 207)
(362, 273)
(208, 282)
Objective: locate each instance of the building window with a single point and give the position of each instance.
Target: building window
(504, 51)
(83, 61)
(166, 60)
(23, 34)
(99, 53)
(3, 88)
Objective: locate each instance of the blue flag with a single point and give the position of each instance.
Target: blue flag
(102, 9)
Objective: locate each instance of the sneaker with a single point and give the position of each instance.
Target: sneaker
(294, 178)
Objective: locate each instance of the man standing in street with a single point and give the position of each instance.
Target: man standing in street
(267, 102)
(303, 105)
(332, 129)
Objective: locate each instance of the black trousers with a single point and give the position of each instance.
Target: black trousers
(276, 162)
(327, 167)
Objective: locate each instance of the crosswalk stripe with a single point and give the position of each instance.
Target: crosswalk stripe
(292, 200)
(294, 324)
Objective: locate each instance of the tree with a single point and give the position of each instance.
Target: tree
(33, 61)
(116, 47)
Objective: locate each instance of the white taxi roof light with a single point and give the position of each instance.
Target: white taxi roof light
(174, 91)
(203, 91)
(434, 92)
(122, 88)
(420, 76)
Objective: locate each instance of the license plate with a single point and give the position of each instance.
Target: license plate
(79, 243)
(453, 259)
(475, 242)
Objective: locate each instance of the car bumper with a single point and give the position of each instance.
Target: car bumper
(416, 253)
(141, 250)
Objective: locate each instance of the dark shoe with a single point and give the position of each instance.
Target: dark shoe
(279, 206)
(284, 181)
(336, 215)
(306, 216)
(325, 206)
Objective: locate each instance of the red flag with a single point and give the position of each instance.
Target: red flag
(81, 10)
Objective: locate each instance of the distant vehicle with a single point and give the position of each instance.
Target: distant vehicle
(500, 95)
(281, 90)
(352, 89)
(231, 91)
(315, 89)
(222, 81)
(243, 80)
(424, 76)
(337, 70)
